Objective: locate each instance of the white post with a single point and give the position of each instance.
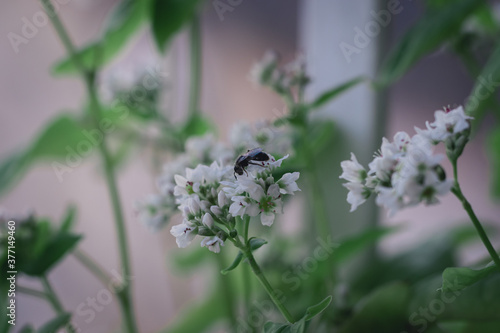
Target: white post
(341, 40)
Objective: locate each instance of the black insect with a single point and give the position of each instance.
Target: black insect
(244, 160)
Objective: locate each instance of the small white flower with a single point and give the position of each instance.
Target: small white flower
(242, 205)
(183, 234)
(356, 195)
(352, 171)
(390, 199)
(213, 243)
(446, 123)
(288, 183)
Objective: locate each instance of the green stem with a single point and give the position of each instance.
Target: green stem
(195, 71)
(247, 286)
(92, 266)
(468, 208)
(32, 292)
(125, 294)
(245, 248)
(51, 296)
(226, 289)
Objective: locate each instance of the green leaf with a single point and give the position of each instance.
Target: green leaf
(68, 220)
(126, 18)
(27, 329)
(297, 327)
(470, 327)
(315, 310)
(478, 302)
(256, 243)
(429, 33)
(383, 310)
(55, 324)
(485, 86)
(54, 251)
(12, 169)
(336, 91)
(235, 263)
(458, 278)
(61, 138)
(169, 16)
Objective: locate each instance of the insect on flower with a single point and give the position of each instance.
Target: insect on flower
(246, 159)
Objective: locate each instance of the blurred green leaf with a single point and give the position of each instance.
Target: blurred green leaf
(11, 170)
(69, 219)
(458, 278)
(485, 86)
(169, 16)
(429, 33)
(55, 324)
(235, 263)
(54, 251)
(470, 327)
(383, 310)
(494, 148)
(256, 243)
(297, 327)
(330, 94)
(125, 19)
(354, 244)
(27, 329)
(315, 310)
(57, 140)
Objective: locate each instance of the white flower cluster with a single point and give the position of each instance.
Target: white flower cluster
(406, 172)
(156, 210)
(210, 198)
(267, 73)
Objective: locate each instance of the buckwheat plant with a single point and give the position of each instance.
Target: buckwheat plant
(218, 207)
(406, 172)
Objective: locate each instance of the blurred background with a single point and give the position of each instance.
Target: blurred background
(30, 96)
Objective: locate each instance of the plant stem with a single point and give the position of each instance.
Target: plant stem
(124, 294)
(247, 286)
(245, 248)
(226, 289)
(267, 286)
(195, 70)
(32, 292)
(54, 300)
(92, 266)
(457, 191)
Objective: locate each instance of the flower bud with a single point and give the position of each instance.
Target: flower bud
(216, 210)
(222, 199)
(208, 220)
